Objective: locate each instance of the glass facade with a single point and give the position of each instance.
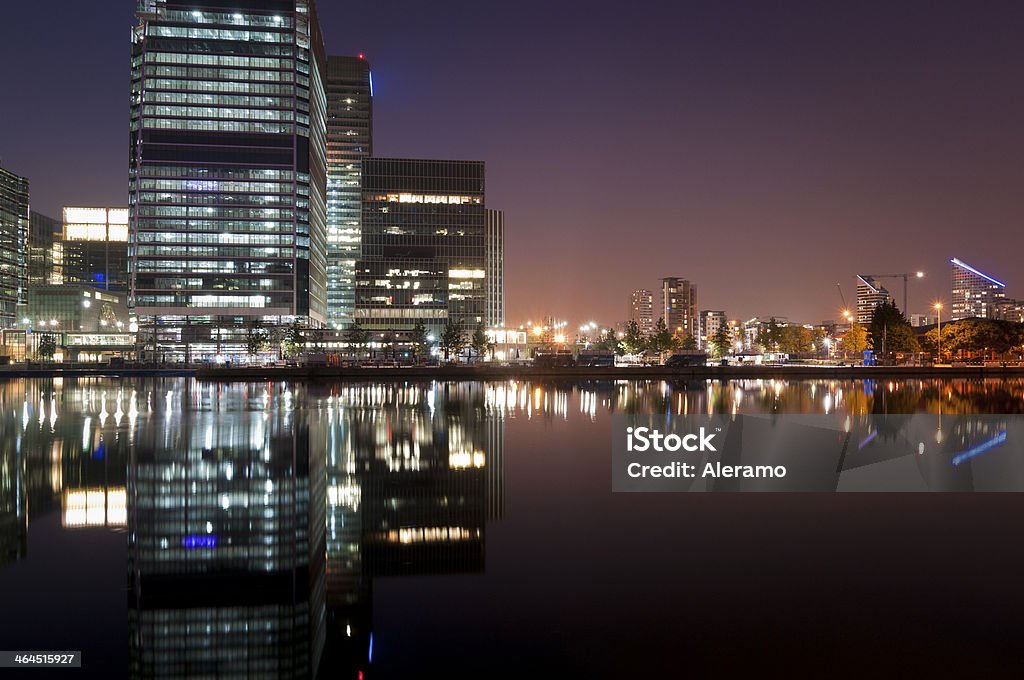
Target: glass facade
(424, 245)
(349, 141)
(94, 248)
(228, 181)
(495, 269)
(14, 253)
(44, 233)
(976, 294)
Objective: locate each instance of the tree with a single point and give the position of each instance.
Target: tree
(357, 336)
(479, 341)
(609, 342)
(795, 339)
(256, 337)
(684, 341)
(294, 341)
(452, 340)
(420, 340)
(890, 331)
(856, 340)
(47, 346)
(720, 341)
(661, 341)
(770, 336)
(633, 341)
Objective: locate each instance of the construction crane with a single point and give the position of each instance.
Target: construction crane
(917, 275)
(846, 309)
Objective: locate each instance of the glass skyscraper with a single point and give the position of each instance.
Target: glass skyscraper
(14, 226)
(423, 251)
(349, 141)
(228, 181)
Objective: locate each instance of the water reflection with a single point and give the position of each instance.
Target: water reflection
(258, 515)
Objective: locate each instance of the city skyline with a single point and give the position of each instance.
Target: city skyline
(895, 151)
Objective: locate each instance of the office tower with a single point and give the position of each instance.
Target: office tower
(349, 92)
(94, 248)
(495, 267)
(423, 255)
(870, 294)
(975, 293)
(641, 310)
(14, 227)
(43, 233)
(679, 306)
(710, 323)
(228, 184)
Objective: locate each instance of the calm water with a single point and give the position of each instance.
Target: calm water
(184, 529)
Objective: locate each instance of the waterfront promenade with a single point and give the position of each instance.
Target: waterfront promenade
(496, 372)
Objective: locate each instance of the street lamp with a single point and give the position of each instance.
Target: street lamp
(938, 309)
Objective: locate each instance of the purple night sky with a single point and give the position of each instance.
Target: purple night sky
(763, 150)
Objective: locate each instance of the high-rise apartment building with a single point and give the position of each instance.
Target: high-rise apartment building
(424, 245)
(710, 323)
(349, 89)
(975, 293)
(93, 248)
(679, 306)
(641, 309)
(227, 192)
(870, 294)
(14, 253)
(495, 267)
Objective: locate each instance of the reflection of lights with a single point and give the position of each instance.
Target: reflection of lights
(94, 507)
(461, 460)
(980, 448)
(409, 535)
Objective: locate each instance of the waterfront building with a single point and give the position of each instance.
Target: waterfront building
(494, 249)
(870, 294)
(641, 310)
(349, 90)
(679, 306)
(93, 248)
(227, 176)
(975, 293)
(710, 322)
(424, 254)
(14, 253)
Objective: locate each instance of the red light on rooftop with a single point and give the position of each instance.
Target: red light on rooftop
(362, 56)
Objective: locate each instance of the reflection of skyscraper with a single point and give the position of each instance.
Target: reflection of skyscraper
(413, 474)
(13, 510)
(226, 552)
